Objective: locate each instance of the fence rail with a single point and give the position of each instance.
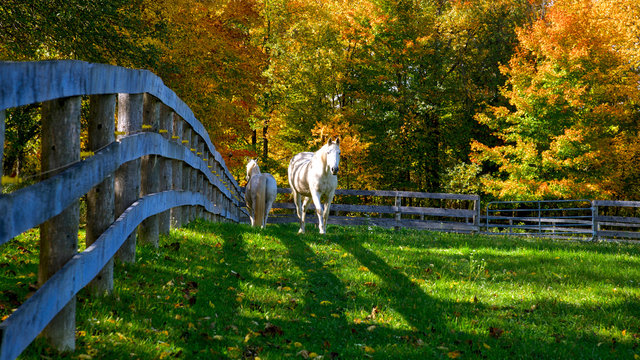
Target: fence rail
(162, 170)
(465, 218)
(559, 219)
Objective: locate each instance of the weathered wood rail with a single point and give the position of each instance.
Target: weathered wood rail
(463, 218)
(589, 220)
(162, 170)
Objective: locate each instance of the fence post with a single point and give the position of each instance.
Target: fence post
(595, 226)
(148, 231)
(60, 143)
(539, 217)
(127, 180)
(216, 191)
(2, 118)
(200, 179)
(193, 183)
(209, 186)
(398, 203)
(476, 218)
(166, 169)
(176, 172)
(186, 173)
(100, 200)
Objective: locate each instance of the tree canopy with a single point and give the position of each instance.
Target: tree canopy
(516, 99)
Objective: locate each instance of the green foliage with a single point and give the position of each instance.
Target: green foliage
(231, 291)
(22, 145)
(572, 87)
(462, 179)
(103, 31)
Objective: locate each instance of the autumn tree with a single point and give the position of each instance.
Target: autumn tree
(208, 59)
(571, 127)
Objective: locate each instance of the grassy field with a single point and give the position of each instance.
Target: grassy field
(229, 291)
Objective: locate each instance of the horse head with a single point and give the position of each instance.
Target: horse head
(333, 155)
(252, 168)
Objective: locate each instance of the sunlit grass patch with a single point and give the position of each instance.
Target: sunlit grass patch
(231, 291)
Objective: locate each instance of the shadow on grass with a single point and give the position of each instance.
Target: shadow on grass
(201, 311)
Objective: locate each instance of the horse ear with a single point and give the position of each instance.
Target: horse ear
(338, 140)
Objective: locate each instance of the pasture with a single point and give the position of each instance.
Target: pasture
(216, 290)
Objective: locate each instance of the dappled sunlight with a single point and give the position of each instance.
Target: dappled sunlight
(232, 291)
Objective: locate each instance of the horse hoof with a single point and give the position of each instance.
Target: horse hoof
(300, 231)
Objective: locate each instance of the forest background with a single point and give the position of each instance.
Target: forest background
(511, 99)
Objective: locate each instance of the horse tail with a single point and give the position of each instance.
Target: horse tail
(259, 206)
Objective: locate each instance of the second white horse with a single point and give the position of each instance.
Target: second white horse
(259, 194)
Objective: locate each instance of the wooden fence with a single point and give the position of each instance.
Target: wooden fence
(587, 220)
(157, 169)
(456, 212)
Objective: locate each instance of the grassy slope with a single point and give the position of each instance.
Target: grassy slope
(230, 291)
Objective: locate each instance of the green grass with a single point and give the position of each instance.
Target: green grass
(229, 291)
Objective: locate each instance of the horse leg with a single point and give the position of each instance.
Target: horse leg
(266, 214)
(319, 211)
(305, 205)
(252, 218)
(248, 203)
(327, 206)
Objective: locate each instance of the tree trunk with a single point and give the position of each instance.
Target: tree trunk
(265, 142)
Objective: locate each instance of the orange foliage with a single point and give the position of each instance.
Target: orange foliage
(574, 85)
(211, 63)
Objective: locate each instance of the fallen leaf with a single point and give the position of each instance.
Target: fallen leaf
(369, 350)
(271, 330)
(454, 354)
(303, 353)
(374, 311)
(495, 332)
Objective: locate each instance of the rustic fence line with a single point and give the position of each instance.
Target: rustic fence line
(589, 224)
(465, 218)
(162, 170)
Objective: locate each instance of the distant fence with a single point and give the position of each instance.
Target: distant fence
(456, 212)
(545, 218)
(604, 220)
(157, 169)
(559, 219)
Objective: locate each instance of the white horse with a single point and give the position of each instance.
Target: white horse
(259, 194)
(313, 176)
